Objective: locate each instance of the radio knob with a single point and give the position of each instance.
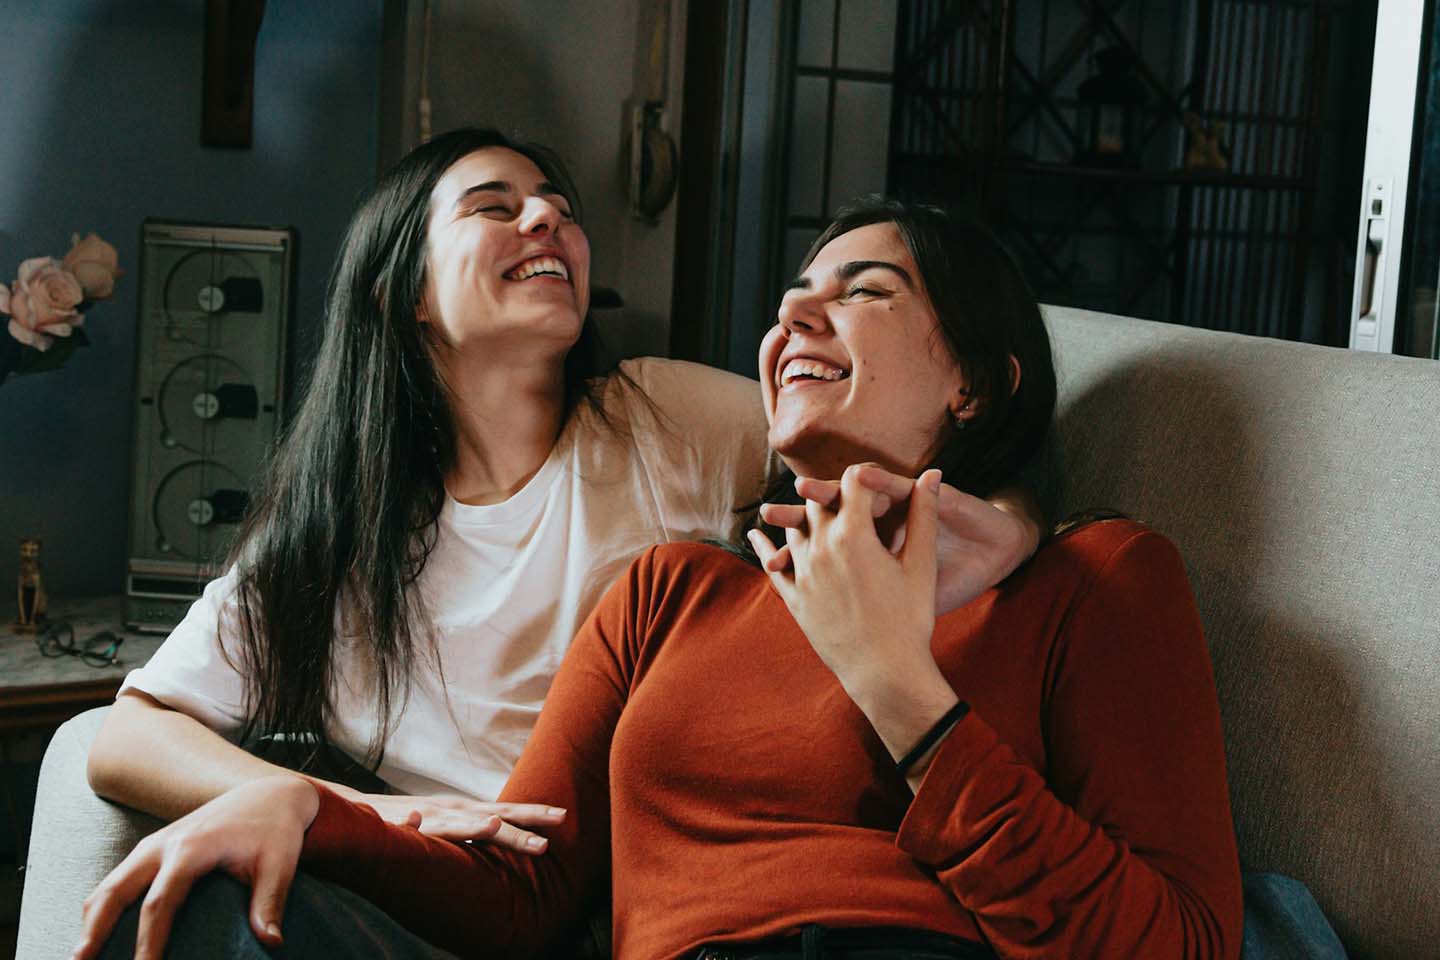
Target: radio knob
(211, 298)
(206, 406)
(200, 511)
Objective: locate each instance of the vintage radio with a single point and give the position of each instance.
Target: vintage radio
(215, 305)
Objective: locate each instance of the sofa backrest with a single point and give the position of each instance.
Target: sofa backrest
(1302, 485)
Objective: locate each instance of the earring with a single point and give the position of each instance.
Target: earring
(959, 415)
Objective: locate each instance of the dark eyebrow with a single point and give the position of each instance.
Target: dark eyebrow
(499, 186)
(544, 189)
(850, 270)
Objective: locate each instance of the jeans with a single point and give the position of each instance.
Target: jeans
(321, 920)
(1283, 922)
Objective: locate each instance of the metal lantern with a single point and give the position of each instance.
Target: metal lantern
(1110, 102)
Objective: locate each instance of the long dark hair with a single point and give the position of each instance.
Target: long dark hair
(345, 517)
(986, 315)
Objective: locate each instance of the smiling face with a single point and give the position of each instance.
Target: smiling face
(857, 368)
(507, 267)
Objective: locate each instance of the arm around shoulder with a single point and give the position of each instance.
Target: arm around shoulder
(705, 443)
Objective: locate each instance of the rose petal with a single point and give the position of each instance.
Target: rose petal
(20, 307)
(97, 280)
(52, 317)
(57, 329)
(29, 268)
(63, 289)
(53, 294)
(29, 337)
(4, 299)
(91, 248)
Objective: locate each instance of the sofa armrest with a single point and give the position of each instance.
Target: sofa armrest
(76, 839)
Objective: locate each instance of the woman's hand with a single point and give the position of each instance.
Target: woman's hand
(979, 542)
(254, 833)
(869, 613)
(459, 818)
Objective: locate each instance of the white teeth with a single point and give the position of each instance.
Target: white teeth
(804, 367)
(549, 266)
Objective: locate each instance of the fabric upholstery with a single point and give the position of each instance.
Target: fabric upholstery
(76, 839)
(1302, 485)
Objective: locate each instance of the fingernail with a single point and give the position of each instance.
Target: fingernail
(535, 843)
(556, 811)
(273, 929)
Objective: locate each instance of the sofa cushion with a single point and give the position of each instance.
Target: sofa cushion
(1302, 485)
(76, 839)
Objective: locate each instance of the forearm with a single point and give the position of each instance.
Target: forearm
(166, 763)
(904, 710)
(1041, 879)
(463, 898)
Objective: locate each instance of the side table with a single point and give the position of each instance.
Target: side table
(41, 691)
(38, 693)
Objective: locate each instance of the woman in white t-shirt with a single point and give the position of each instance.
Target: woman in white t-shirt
(452, 498)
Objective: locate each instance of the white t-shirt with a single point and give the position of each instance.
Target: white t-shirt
(508, 585)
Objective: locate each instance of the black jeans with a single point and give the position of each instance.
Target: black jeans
(321, 920)
(324, 920)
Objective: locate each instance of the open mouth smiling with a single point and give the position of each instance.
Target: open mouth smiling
(536, 267)
(801, 370)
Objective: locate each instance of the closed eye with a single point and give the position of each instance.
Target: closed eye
(862, 291)
(501, 211)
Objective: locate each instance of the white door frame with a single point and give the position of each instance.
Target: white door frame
(1391, 124)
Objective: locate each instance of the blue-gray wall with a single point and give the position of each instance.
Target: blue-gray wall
(100, 128)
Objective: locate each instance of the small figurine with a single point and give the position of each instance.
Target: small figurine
(31, 589)
(1208, 149)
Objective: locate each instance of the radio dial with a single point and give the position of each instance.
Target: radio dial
(206, 406)
(211, 298)
(201, 511)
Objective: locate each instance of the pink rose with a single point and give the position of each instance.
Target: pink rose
(43, 301)
(95, 264)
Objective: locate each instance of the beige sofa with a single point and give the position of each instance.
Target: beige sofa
(1303, 487)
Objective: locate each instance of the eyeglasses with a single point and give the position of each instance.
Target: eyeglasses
(58, 640)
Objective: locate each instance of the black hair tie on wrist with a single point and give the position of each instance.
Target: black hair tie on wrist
(942, 727)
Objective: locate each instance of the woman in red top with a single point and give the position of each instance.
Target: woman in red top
(759, 754)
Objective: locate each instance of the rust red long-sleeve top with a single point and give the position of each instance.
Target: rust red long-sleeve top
(720, 780)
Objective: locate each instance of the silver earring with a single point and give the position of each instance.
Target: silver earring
(959, 415)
